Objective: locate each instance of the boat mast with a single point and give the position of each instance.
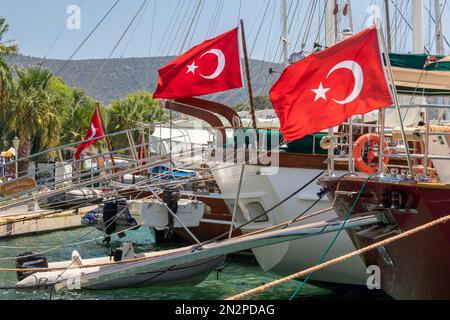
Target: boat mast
(438, 28)
(388, 25)
(417, 21)
(439, 43)
(350, 16)
(249, 81)
(285, 37)
(330, 39)
(330, 23)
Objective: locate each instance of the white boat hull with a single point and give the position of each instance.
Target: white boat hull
(127, 275)
(268, 190)
(155, 214)
(185, 275)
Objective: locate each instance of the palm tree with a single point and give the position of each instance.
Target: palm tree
(33, 115)
(77, 117)
(137, 108)
(6, 49)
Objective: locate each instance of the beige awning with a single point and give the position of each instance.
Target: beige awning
(413, 79)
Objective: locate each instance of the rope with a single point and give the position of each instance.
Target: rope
(147, 72)
(332, 242)
(109, 222)
(342, 258)
(177, 183)
(87, 38)
(99, 71)
(196, 12)
(104, 264)
(267, 211)
(168, 32)
(99, 238)
(56, 39)
(317, 213)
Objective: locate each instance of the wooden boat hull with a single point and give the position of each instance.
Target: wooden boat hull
(416, 267)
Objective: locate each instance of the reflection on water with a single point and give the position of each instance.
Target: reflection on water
(235, 278)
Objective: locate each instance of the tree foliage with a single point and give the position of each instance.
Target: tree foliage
(136, 109)
(44, 112)
(77, 116)
(261, 103)
(7, 48)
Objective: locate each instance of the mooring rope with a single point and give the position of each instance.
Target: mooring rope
(333, 241)
(341, 259)
(317, 213)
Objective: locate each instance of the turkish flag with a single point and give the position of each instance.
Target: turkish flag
(209, 67)
(326, 88)
(94, 131)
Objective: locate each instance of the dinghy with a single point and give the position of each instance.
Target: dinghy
(71, 199)
(187, 274)
(130, 269)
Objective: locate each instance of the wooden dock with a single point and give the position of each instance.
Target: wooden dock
(35, 223)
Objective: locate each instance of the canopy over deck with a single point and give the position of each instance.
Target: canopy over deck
(421, 74)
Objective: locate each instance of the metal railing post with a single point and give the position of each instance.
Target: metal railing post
(381, 119)
(331, 152)
(427, 142)
(396, 103)
(351, 167)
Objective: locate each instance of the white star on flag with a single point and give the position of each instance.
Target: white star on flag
(191, 68)
(320, 92)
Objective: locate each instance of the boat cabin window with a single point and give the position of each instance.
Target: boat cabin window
(255, 209)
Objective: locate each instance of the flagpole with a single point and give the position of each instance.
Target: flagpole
(397, 106)
(249, 82)
(108, 143)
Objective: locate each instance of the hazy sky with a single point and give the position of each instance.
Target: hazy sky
(40, 26)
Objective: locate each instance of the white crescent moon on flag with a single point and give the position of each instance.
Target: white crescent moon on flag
(355, 68)
(220, 63)
(94, 132)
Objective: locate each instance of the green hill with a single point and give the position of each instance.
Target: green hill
(109, 79)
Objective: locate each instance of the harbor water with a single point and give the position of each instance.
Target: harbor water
(237, 275)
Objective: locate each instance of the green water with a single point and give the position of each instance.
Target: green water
(235, 278)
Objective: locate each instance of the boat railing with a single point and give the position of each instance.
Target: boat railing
(431, 124)
(95, 168)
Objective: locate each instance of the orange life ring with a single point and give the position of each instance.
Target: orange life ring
(358, 149)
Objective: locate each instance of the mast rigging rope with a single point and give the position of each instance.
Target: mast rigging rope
(87, 38)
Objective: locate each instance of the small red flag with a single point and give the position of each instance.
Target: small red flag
(326, 88)
(94, 131)
(212, 66)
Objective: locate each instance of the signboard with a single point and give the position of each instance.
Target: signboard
(18, 185)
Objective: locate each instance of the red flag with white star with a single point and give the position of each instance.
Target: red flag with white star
(94, 131)
(212, 66)
(326, 88)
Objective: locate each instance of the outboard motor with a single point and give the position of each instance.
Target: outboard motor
(124, 252)
(28, 260)
(109, 214)
(170, 197)
(125, 219)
